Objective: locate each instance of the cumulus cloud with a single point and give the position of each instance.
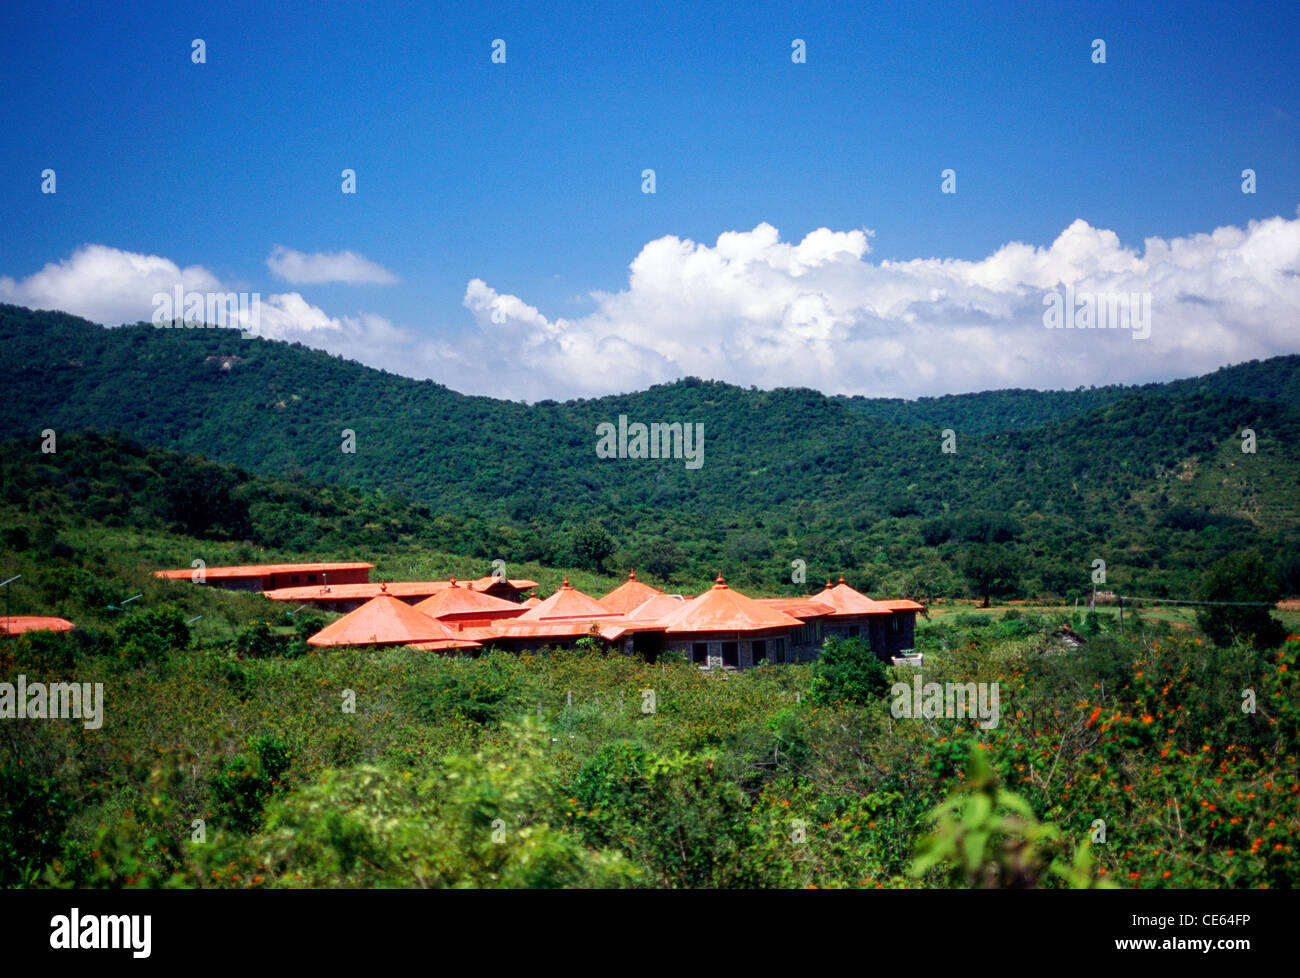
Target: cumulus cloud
(753, 309)
(347, 267)
(110, 286)
(105, 285)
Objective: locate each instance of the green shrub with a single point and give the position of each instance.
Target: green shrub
(679, 817)
(257, 641)
(244, 786)
(33, 813)
(488, 819)
(848, 670)
(151, 634)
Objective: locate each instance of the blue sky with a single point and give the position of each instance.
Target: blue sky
(526, 175)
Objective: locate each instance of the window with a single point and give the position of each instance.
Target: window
(854, 631)
(896, 624)
(700, 653)
(778, 650)
(731, 654)
(294, 579)
(311, 578)
(758, 650)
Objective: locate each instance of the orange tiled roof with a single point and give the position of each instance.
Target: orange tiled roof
(464, 602)
(902, 604)
(261, 570)
(655, 608)
(387, 620)
(344, 592)
(846, 601)
(17, 624)
(517, 628)
(517, 583)
(566, 604)
(721, 609)
(804, 608)
(628, 595)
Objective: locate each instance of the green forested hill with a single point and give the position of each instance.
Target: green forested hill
(1276, 379)
(1150, 479)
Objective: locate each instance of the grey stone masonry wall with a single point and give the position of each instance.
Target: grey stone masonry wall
(741, 652)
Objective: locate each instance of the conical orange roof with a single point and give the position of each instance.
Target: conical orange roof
(655, 608)
(465, 602)
(565, 604)
(628, 595)
(721, 609)
(847, 601)
(386, 620)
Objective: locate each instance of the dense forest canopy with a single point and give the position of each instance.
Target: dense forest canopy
(1151, 480)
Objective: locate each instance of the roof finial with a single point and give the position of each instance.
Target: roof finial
(828, 582)
(453, 580)
(566, 582)
(631, 575)
(721, 582)
(383, 586)
(841, 578)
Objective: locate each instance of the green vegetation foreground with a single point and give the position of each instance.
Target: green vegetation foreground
(1151, 760)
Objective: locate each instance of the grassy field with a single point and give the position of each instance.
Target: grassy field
(1183, 616)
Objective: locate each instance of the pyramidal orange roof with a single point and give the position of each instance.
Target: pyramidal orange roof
(565, 604)
(628, 595)
(721, 609)
(847, 601)
(655, 608)
(465, 602)
(386, 620)
(532, 601)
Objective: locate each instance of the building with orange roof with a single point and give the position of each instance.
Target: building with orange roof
(456, 603)
(349, 597)
(655, 608)
(557, 622)
(888, 626)
(502, 587)
(628, 595)
(526, 636)
(268, 577)
(723, 628)
(386, 620)
(18, 624)
(566, 604)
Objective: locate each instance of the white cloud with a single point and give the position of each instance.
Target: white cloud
(752, 309)
(111, 286)
(105, 285)
(298, 268)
